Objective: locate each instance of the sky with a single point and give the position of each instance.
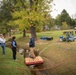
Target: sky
(68, 5)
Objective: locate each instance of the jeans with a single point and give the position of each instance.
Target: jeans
(3, 48)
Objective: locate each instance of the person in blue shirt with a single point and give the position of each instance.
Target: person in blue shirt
(32, 47)
(14, 47)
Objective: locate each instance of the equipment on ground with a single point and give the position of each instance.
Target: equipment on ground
(46, 38)
(34, 61)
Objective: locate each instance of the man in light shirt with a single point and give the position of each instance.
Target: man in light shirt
(2, 43)
(1, 40)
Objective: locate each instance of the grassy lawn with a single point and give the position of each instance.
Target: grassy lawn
(59, 57)
(10, 67)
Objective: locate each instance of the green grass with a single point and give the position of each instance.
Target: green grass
(55, 33)
(59, 57)
(10, 67)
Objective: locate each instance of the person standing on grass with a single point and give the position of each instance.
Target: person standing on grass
(32, 47)
(14, 47)
(2, 43)
(1, 39)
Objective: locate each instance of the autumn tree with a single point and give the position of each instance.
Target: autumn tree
(30, 14)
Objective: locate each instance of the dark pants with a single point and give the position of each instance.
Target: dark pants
(14, 52)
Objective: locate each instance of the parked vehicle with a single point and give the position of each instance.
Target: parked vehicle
(69, 38)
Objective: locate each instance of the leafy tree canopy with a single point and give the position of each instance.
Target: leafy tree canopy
(64, 17)
(30, 11)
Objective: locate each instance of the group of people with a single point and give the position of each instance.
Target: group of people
(31, 46)
(14, 46)
(3, 45)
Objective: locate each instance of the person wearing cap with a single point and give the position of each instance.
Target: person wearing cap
(14, 47)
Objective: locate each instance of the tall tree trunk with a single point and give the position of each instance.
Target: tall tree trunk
(31, 4)
(33, 31)
(24, 33)
(36, 3)
(9, 31)
(32, 28)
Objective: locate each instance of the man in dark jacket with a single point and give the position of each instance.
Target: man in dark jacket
(32, 47)
(14, 46)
